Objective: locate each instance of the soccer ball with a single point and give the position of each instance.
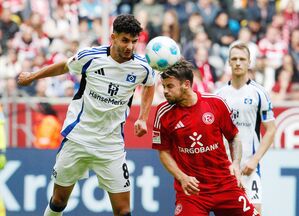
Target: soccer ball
(162, 52)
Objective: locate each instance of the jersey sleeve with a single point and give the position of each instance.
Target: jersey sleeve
(151, 75)
(160, 139)
(266, 111)
(76, 62)
(227, 126)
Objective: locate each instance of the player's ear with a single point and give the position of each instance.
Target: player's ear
(113, 36)
(187, 84)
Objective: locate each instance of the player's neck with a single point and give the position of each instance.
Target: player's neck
(115, 56)
(189, 99)
(239, 81)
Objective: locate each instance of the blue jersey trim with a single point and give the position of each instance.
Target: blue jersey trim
(92, 53)
(62, 144)
(93, 50)
(140, 58)
(70, 127)
(147, 73)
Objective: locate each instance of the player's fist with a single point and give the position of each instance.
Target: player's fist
(140, 128)
(25, 78)
(2, 161)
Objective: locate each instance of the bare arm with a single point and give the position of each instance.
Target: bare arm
(235, 147)
(264, 146)
(145, 107)
(189, 184)
(26, 78)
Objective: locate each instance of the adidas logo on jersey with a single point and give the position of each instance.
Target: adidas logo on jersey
(255, 196)
(127, 183)
(179, 125)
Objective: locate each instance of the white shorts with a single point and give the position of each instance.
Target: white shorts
(74, 161)
(253, 187)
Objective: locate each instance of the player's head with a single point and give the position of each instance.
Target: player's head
(239, 58)
(177, 81)
(126, 30)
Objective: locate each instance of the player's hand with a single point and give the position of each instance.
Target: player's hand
(189, 185)
(2, 161)
(140, 128)
(250, 167)
(25, 78)
(234, 169)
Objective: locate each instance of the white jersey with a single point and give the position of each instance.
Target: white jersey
(250, 106)
(96, 115)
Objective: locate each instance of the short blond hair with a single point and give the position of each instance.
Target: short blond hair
(239, 45)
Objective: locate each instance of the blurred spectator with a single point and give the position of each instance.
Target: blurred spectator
(8, 29)
(191, 28)
(47, 129)
(205, 69)
(61, 26)
(200, 40)
(294, 50)
(9, 64)
(291, 17)
(284, 89)
(69, 88)
(180, 8)
(154, 11)
(26, 43)
(208, 10)
(259, 16)
(144, 36)
(236, 9)
(221, 35)
(90, 14)
(40, 88)
(272, 49)
(170, 25)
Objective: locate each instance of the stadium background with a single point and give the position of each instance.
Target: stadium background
(40, 32)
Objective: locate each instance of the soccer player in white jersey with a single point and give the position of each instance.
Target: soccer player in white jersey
(251, 106)
(93, 128)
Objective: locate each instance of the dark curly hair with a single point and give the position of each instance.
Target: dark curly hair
(126, 23)
(182, 70)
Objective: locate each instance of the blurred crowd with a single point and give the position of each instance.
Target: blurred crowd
(36, 33)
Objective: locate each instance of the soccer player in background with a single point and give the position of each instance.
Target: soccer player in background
(188, 133)
(251, 106)
(93, 128)
(2, 155)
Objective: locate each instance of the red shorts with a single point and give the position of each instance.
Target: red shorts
(226, 203)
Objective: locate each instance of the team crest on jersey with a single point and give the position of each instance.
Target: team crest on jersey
(178, 209)
(156, 137)
(247, 101)
(208, 118)
(131, 78)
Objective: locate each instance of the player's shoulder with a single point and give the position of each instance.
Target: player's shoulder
(258, 88)
(163, 110)
(223, 89)
(87, 53)
(212, 97)
(215, 100)
(141, 60)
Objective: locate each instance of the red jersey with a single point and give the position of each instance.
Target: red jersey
(194, 136)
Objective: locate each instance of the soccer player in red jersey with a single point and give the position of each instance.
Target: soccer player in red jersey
(188, 132)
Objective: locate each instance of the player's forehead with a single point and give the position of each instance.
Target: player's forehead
(127, 36)
(170, 80)
(238, 53)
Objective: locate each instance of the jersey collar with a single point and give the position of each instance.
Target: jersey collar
(248, 81)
